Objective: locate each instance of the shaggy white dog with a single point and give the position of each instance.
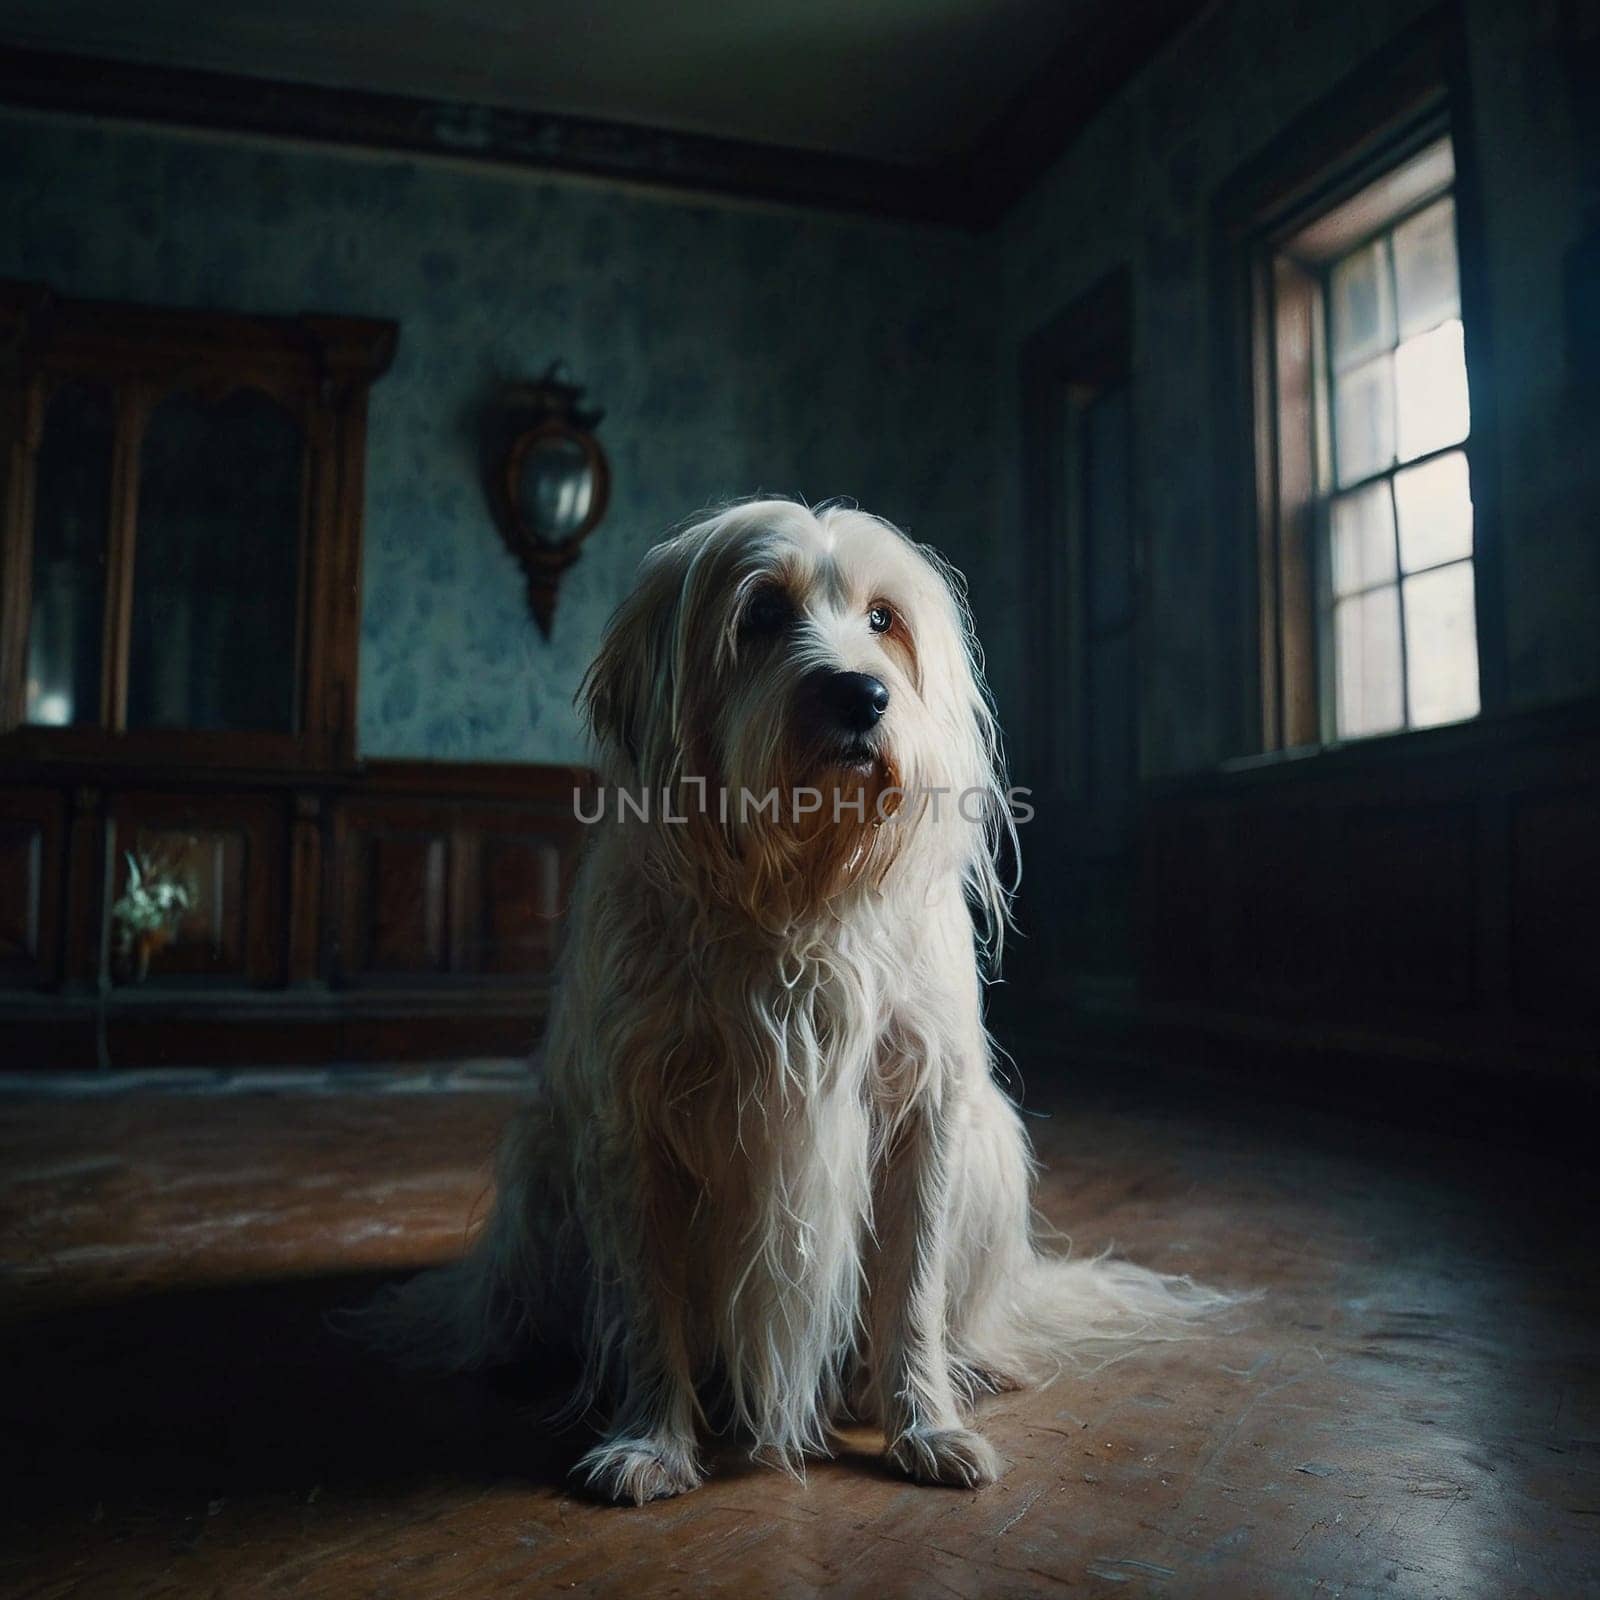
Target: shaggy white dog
(769, 1164)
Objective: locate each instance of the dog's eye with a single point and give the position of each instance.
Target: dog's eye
(769, 611)
(880, 619)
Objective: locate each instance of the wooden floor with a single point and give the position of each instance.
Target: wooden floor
(1413, 1410)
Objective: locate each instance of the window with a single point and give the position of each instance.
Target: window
(181, 530)
(1356, 465)
(1392, 513)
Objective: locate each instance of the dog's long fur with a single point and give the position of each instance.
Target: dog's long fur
(768, 1161)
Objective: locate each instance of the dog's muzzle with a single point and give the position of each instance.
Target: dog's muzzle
(852, 702)
(843, 709)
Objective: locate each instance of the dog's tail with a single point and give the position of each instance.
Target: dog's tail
(1057, 1313)
(500, 1298)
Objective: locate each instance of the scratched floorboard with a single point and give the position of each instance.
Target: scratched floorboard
(1413, 1410)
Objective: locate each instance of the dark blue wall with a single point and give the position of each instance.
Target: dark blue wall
(734, 349)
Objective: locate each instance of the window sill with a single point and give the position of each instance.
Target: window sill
(1482, 736)
(1404, 737)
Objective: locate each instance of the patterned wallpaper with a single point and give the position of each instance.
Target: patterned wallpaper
(734, 348)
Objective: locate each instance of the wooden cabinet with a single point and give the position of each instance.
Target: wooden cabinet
(180, 571)
(397, 909)
(180, 531)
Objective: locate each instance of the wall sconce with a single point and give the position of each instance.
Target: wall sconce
(548, 481)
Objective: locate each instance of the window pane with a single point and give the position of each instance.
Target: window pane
(1431, 383)
(1425, 269)
(1366, 632)
(1363, 539)
(1435, 505)
(1363, 318)
(72, 491)
(1442, 646)
(1364, 420)
(216, 566)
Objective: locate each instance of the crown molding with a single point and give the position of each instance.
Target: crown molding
(970, 191)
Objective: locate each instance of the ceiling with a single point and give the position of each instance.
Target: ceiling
(902, 81)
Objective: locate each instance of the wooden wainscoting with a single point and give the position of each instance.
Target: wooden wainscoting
(432, 891)
(1432, 896)
(400, 910)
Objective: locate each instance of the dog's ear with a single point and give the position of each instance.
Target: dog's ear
(628, 693)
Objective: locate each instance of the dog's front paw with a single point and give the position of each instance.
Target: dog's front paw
(633, 1471)
(954, 1456)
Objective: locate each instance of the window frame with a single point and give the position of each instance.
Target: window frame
(1328, 488)
(1409, 95)
(319, 369)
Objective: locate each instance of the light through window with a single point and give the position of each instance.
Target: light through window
(1397, 631)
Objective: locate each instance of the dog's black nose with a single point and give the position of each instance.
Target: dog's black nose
(854, 700)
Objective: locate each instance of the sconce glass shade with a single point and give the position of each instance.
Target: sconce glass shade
(553, 483)
(555, 487)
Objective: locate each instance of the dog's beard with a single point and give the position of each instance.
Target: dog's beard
(859, 786)
(834, 830)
